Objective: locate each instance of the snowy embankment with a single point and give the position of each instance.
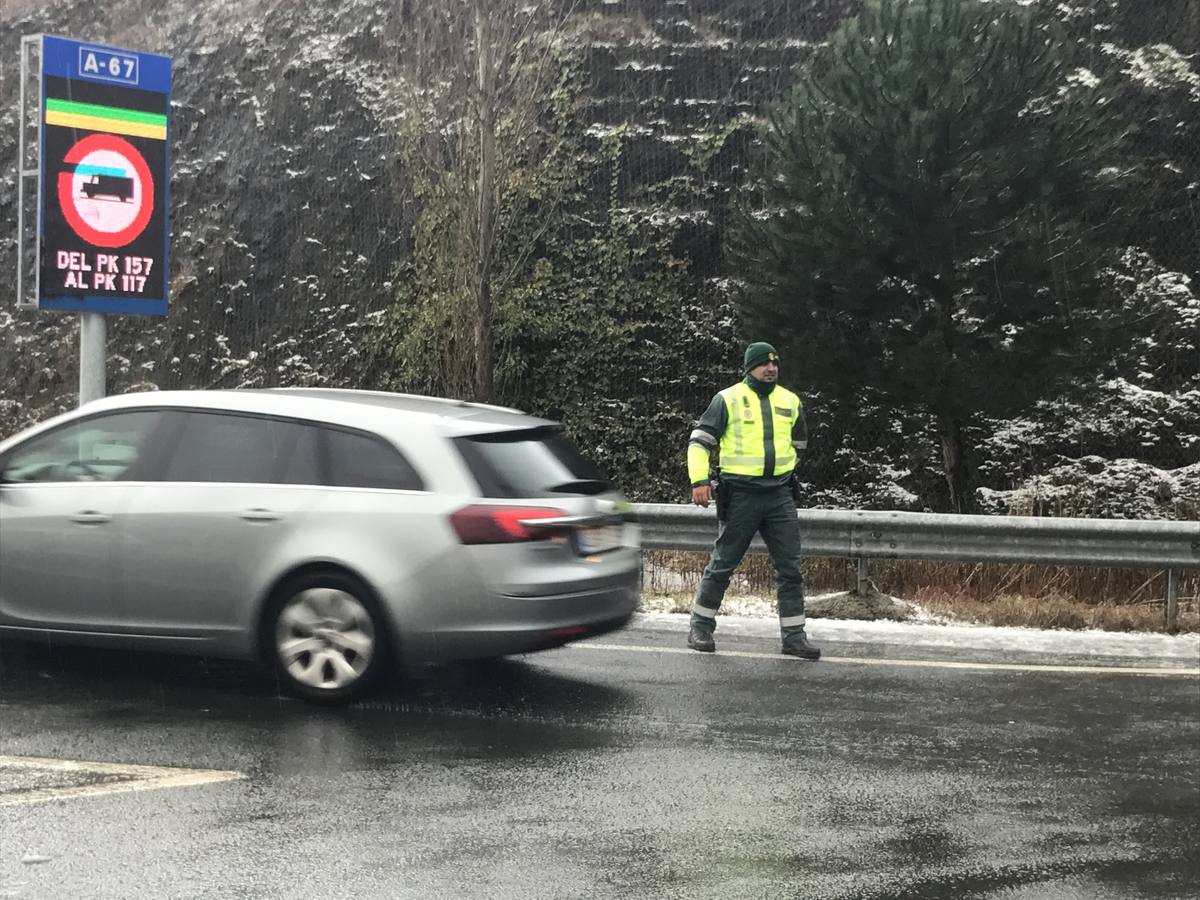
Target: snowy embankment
(1182, 649)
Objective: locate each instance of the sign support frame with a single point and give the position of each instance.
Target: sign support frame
(30, 44)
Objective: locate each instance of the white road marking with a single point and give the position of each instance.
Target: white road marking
(911, 663)
(135, 778)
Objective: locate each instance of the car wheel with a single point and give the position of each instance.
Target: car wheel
(326, 637)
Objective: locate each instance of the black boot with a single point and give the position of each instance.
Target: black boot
(701, 639)
(798, 645)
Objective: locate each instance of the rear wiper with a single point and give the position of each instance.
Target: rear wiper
(582, 486)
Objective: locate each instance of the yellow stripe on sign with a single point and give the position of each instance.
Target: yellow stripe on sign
(112, 126)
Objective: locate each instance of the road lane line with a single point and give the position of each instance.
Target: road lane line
(134, 778)
(911, 663)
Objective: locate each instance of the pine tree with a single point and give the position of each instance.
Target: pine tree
(932, 215)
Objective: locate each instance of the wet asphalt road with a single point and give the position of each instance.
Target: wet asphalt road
(613, 771)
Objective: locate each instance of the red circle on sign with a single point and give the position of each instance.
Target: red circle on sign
(66, 200)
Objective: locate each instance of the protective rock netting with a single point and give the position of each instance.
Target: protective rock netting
(324, 217)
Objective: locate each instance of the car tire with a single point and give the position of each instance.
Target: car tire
(326, 638)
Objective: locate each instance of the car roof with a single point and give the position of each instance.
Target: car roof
(338, 406)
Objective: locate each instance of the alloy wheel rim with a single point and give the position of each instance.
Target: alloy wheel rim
(325, 638)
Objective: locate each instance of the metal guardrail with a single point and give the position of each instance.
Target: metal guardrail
(863, 535)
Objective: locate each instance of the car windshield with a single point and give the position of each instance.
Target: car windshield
(530, 463)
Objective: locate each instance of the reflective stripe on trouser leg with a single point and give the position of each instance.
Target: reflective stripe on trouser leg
(733, 537)
(781, 533)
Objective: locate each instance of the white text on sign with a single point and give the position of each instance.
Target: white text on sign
(104, 271)
(104, 64)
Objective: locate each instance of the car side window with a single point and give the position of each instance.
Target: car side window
(232, 448)
(304, 464)
(100, 448)
(360, 460)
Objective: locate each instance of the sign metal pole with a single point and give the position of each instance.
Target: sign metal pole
(93, 333)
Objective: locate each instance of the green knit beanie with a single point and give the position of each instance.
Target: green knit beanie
(757, 354)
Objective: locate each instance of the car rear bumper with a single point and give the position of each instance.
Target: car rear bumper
(520, 624)
(507, 643)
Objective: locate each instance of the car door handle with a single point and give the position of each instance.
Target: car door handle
(90, 517)
(260, 515)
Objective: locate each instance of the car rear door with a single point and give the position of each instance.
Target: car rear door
(62, 503)
(199, 545)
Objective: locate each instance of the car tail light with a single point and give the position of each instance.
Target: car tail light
(500, 524)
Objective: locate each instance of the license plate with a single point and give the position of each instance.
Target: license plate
(597, 540)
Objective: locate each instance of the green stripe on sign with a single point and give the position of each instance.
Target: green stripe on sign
(106, 112)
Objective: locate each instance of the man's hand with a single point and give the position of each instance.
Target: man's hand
(702, 495)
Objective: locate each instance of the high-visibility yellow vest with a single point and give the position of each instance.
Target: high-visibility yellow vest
(743, 447)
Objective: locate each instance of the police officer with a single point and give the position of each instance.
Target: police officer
(758, 428)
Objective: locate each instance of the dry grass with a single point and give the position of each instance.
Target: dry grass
(990, 594)
(1056, 611)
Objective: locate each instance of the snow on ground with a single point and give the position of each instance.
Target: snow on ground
(1182, 649)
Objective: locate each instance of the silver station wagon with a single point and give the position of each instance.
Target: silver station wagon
(329, 533)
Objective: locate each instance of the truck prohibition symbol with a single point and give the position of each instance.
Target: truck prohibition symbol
(115, 187)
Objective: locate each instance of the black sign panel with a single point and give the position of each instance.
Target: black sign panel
(104, 233)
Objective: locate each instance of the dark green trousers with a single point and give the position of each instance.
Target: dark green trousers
(773, 515)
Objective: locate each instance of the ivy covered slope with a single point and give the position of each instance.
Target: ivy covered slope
(288, 210)
(355, 204)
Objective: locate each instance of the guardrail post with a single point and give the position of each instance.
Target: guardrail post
(862, 576)
(1172, 601)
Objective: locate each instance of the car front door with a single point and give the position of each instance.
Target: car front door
(63, 495)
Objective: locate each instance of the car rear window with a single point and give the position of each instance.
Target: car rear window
(229, 448)
(241, 448)
(360, 460)
(530, 463)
